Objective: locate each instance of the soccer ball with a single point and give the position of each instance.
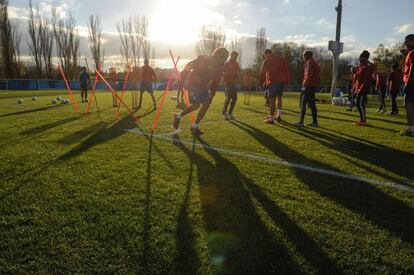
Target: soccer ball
(34, 98)
(58, 98)
(20, 101)
(54, 101)
(67, 101)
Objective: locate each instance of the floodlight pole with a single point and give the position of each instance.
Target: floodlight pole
(337, 49)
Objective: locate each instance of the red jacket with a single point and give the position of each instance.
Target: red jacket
(200, 72)
(364, 78)
(147, 74)
(312, 74)
(408, 70)
(231, 71)
(394, 81)
(274, 70)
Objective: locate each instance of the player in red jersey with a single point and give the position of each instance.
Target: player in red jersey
(201, 78)
(394, 82)
(364, 83)
(148, 76)
(231, 71)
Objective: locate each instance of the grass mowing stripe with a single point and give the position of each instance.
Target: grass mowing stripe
(169, 137)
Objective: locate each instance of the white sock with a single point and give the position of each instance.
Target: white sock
(279, 112)
(179, 116)
(195, 125)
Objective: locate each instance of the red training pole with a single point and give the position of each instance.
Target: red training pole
(93, 89)
(123, 90)
(157, 116)
(68, 88)
(117, 96)
(186, 98)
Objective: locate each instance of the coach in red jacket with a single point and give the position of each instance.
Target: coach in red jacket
(409, 85)
(311, 81)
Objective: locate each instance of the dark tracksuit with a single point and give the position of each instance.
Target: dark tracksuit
(381, 87)
(231, 73)
(310, 82)
(394, 81)
(363, 86)
(84, 81)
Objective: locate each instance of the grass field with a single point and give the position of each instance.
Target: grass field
(82, 194)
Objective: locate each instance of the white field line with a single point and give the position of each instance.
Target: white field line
(269, 160)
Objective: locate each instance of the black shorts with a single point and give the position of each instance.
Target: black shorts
(409, 93)
(230, 90)
(275, 90)
(84, 86)
(146, 86)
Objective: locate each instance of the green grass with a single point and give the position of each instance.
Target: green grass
(80, 194)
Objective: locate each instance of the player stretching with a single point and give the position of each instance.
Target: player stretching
(274, 75)
(197, 76)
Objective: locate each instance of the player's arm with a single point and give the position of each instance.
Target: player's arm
(263, 70)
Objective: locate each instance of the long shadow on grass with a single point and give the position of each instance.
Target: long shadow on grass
(186, 260)
(376, 119)
(303, 243)
(373, 153)
(147, 212)
(359, 197)
(238, 241)
(75, 137)
(31, 111)
(103, 135)
(44, 128)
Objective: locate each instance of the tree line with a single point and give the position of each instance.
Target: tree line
(54, 39)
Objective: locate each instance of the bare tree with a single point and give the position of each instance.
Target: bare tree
(145, 43)
(67, 43)
(95, 40)
(137, 40)
(235, 45)
(9, 43)
(211, 38)
(153, 58)
(261, 44)
(123, 31)
(34, 44)
(46, 46)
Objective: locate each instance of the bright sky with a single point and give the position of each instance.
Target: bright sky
(366, 23)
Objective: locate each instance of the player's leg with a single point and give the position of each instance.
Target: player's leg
(303, 106)
(226, 101)
(312, 106)
(233, 101)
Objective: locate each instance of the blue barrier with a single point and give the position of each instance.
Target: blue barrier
(75, 85)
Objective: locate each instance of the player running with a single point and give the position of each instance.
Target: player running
(197, 76)
(274, 75)
(231, 71)
(364, 82)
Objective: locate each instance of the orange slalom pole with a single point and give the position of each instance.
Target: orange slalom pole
(68, 88)
(123, 90)
(134, 117)
(157, 116)
(186, 98)
(93, 90)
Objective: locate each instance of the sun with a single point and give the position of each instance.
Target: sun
(179, 21)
